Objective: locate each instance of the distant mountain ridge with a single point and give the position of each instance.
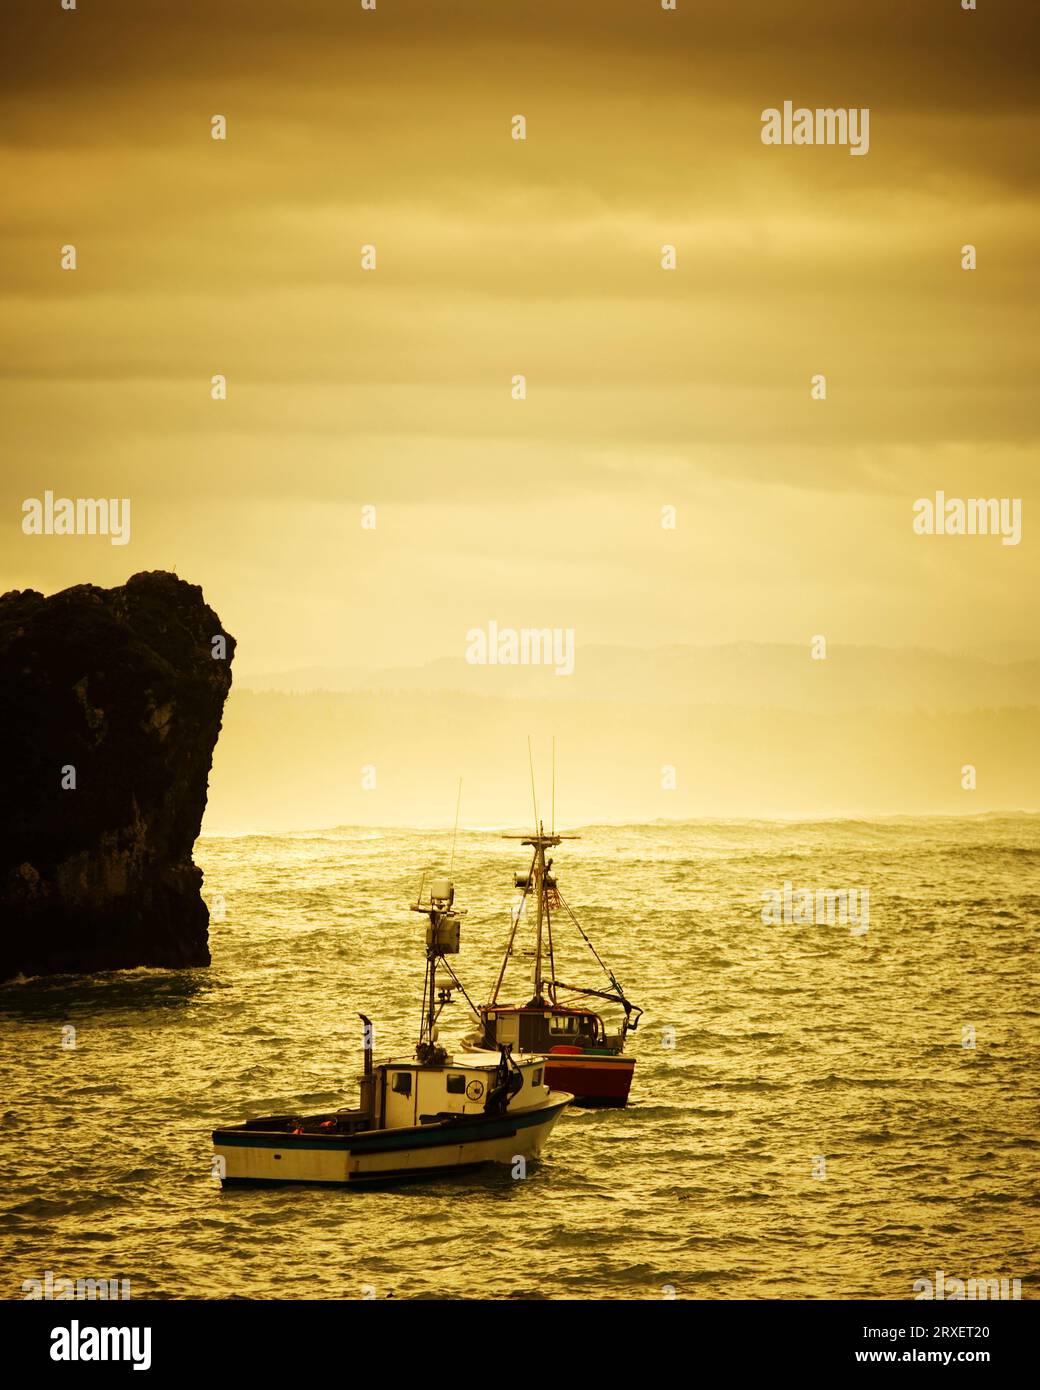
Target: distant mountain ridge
(737, 675)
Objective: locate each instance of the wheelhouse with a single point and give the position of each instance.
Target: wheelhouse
(540, 1028)
(413, 1093)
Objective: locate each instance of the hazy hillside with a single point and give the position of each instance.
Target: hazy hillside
(296, 761)
(741, 674)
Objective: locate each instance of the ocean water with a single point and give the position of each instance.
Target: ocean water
(817, 1112)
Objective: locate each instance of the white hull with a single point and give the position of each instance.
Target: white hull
(266, 1158)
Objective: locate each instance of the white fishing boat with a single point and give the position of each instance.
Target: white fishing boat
(418, 1116)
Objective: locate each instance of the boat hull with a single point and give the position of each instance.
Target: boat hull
(447, 1146)
(592, 1078)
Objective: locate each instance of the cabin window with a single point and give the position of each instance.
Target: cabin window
(536, 1080)
(564, 1023)
(456, 1085)
(402, 1083)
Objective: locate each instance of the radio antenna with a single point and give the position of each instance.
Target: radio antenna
(455, 834)
(554, 787)
(534, 798)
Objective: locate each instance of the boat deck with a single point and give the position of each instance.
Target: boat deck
(334, 1122)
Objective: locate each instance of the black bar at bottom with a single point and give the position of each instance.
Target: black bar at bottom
(310, 1339)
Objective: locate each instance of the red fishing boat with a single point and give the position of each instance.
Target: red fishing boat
(582, 1056)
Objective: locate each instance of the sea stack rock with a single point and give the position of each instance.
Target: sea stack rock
(110, 707)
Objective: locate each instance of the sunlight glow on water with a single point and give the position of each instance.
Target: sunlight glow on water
(791, 1042)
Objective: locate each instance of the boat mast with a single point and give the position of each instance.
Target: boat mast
(538, 877)
(539, 883)
(426, 1032)
(535, 882)
(442, 939)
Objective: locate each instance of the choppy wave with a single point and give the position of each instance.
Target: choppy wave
(814, 1114)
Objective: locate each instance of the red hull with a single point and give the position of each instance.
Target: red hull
(597, 1080)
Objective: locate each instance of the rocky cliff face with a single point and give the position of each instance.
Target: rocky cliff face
(110, 707)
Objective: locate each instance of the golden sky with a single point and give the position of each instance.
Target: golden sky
(495, 257)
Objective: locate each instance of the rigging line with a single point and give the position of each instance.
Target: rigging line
(615, 994)
(462, 987)
(455, 835)
(512, 933)
(609, 974)
(553, 831)
(534, 798)
(423, 1021)
(552, 960)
